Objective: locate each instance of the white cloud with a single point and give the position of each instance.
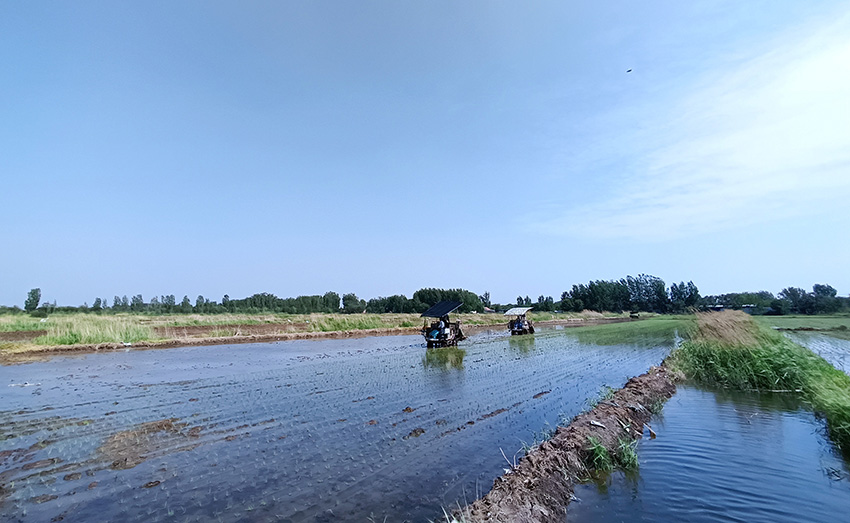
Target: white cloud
(769, 139)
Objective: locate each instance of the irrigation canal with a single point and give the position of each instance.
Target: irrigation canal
(292, 431)
(726, 456)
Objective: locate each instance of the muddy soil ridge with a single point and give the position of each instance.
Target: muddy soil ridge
(540, 487)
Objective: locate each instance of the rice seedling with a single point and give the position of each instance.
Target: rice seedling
(645, 331)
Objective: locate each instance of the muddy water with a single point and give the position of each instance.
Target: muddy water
(292, 431)
(726, 457)
(834, 350)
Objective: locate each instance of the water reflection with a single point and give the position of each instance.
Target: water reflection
(726, 456)
(522, 344)
(444, 358)
(363, 427)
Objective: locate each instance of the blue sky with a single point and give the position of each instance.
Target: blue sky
(380, 147)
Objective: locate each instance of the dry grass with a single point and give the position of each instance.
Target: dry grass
(731, 328)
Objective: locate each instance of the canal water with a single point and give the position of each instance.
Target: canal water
(726, 456)
(357, 429)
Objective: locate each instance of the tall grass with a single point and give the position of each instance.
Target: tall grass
(94, 329)
(20, 322)
(729, 349)
(330, 323)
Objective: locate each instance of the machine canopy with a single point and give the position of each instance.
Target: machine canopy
(441, 309)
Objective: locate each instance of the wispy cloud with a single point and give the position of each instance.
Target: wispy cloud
(767, 140)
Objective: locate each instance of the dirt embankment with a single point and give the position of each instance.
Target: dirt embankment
(202, 335)
(21, 335)
(540, 487)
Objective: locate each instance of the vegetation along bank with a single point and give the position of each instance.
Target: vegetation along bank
(730, 350)
(722, 349)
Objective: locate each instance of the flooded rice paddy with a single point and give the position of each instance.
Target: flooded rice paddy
(726, 456)
(834, 350)
(357, 429)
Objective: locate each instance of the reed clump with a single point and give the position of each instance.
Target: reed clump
(728, 349)
(93, 330)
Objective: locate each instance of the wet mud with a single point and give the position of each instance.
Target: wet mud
(540, 486)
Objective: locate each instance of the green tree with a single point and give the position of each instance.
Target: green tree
(778, 307)
(330, 302)
(33, 298)
(137, 303)
(799, 301)
(186, 305)
(97, 305)
(485, 299)
(351, 304)
(683, 297)
(825, 299)
(200, 304)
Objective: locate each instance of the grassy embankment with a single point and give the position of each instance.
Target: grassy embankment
(730, 349)
(92, 329)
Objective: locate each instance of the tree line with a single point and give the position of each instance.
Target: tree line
(642, 293)
(261, 302)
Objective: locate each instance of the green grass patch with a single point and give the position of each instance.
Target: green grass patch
(223, 333)
(831, 322)
(837, 326)
(94, 329)
(643, 331)
(598, 457)
(20, 322)
(731, 350)
(347, 323)
(626, 454)
(606, 392)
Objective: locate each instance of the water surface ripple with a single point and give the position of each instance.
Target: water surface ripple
(726, 457)
(834, 350)
(291, 431)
